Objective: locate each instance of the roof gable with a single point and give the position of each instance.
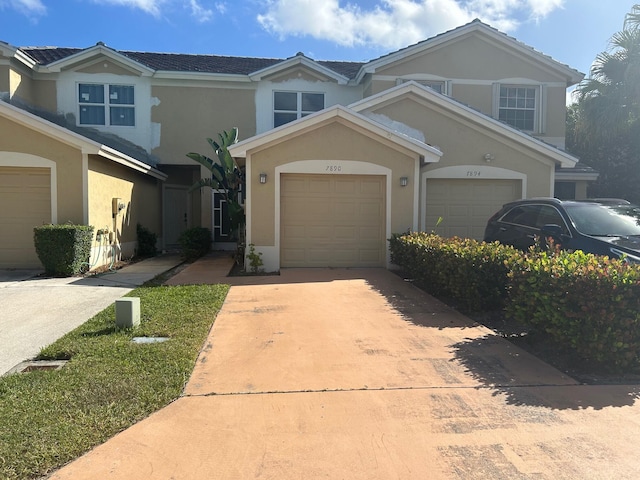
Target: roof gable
(476, 28)
(88, 57)
(333, 114)
(300, 61)
(427, 95)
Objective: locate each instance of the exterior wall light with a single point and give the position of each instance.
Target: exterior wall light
(489, 157)
(263, 178)
(404, 181)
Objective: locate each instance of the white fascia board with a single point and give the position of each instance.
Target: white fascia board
(337, 111)
(209, 77)
(130, 162)
(559, 156)
(10, 51)
(298, 60)
(58, 65)
(567, 175)
(66, 136)
(371, 67)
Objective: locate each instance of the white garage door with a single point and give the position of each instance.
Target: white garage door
(466, 205)
(332, 221)
(25, 197)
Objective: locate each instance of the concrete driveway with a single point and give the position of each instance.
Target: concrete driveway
(35, 311)
(356, 374)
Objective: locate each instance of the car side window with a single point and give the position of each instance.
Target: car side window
(522, 215)
(549, 215)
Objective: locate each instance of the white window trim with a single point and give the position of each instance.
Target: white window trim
(107, 106)
(539, 120)
(299, 112)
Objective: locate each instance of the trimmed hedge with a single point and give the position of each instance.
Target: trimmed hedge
(195, 242)
(588, 303)
(585, 303)
(64, 250)
(473, 274)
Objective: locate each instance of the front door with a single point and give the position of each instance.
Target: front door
(176, 214)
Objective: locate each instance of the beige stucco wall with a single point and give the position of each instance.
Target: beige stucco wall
(141, 195)
(333, 143)
(187, 116)
(473, 56)
(481, 61)
(298, 73)
(463, 143)
(17, 138)
(103, 65)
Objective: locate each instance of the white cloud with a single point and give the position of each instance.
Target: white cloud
(201, 14)
(392, 23)
(30, 8)
(152, 7)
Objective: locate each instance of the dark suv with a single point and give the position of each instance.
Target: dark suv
(602, 228)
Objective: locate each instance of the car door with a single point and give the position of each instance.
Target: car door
(518, 227)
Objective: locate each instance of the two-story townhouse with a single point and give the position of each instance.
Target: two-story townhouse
(338, 155)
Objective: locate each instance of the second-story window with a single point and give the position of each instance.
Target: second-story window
(104, 104)
(517, 107)
(289, 106)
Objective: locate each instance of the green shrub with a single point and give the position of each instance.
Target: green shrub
(146, 242)
(588, 303)
(64, 250)
(195, 242)
(473, 274)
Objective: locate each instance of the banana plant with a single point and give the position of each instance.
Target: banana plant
(226, 176)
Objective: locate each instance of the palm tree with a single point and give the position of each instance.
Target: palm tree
(610, 97)
(603, 127)
(226, 176)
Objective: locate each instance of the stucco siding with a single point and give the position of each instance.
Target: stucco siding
(465, 144)
(68, 160)
(472, 57)
(140, 195)
(187, 116)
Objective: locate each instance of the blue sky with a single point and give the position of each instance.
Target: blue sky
(571, 31)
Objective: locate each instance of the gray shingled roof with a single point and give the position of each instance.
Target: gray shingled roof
(180, 62)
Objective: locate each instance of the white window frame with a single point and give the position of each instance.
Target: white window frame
(299, 112)
(107, 105)
(538, 114)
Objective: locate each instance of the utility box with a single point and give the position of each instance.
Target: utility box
(128, 312)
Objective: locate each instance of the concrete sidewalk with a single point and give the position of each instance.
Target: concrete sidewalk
(356, 374)
(37, 310)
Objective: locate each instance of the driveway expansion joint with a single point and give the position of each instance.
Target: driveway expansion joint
(387, 389)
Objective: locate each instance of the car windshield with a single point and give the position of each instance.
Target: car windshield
(605, 220)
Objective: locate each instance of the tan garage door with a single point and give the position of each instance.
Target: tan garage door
(25, 197)
(466, 205)
(332, 221)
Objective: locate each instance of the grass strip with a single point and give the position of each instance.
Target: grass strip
(48, 418)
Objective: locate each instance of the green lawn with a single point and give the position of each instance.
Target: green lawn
(48, 418)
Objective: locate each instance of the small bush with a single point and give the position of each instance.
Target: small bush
(195, 242)
(471, 273)
(64, 250)
(147, 241)
(588, 303)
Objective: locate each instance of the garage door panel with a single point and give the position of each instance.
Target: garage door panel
(25, 196)
(465, 205)
(337, 221)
